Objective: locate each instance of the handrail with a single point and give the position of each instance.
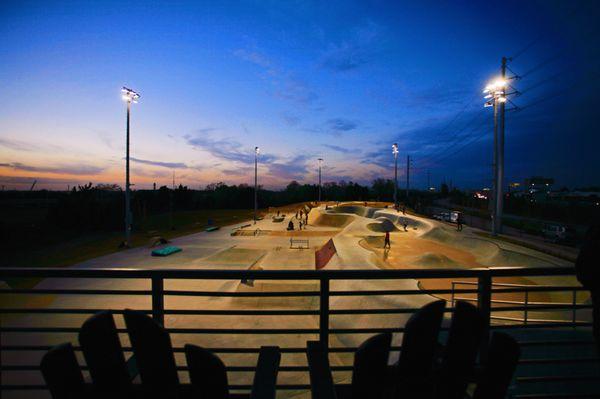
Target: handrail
(352, 274)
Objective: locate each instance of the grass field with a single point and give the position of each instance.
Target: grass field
(54, 248)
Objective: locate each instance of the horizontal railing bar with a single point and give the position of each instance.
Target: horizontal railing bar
(557, 343)
(234, 387)
(241, 294)
(558, 396)
(380, 311)
(190, 312)
(540, 325)
(539, 288)
(399, 292)
(181, 349)
(559, 360)
(540, 307)
(65, 310)
(233, 369)
(58, 291)
(526, 287)
(552, 378)
(171, 330)
(350, 274)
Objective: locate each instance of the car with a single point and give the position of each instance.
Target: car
(554, 232)
(444, 216)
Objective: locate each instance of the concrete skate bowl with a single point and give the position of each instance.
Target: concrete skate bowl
(359, 210)
(490, 254)
(382, 225)
(329, 220)
(401, 219)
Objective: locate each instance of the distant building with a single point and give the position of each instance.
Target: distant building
(539, 184)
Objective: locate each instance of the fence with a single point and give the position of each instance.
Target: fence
(312, 290)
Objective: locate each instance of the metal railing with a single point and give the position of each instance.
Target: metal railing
(527, 305)
(322, 313)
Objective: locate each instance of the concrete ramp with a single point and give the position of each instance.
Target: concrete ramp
(321, 219)
(382, 225)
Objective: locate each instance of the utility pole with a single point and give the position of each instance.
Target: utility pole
(395, 152)
(496, 93)
(256, 151)
(407, 176)
(320, 161)
(500, 159)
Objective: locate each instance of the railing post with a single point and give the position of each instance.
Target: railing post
(574, 307)
(158, 300)
(484, 302)
(526, 311)
(324, 312)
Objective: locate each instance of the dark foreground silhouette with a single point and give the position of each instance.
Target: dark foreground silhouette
(425, 368)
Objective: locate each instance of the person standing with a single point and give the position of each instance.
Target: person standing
(386, 242)
(587, 269)
(459, 222)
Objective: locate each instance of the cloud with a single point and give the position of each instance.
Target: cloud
(290, 120)
(170, 165)
(26, 146)
(294, 169)
(354, 52)
(226, 149)
(337, 148)
(341, 124)
(253, 57)
(297, 91)
(74, 169)
(285, 85)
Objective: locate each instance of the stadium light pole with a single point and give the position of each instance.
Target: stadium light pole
(395, 152)
(495, 95)
(256, 152)
(129, 96)
(320, 162)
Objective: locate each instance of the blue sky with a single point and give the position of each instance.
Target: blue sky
(300, 79)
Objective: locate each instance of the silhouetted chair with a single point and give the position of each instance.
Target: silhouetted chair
(208, 374)
(460, 352)
(104, 356)
(414, 371)
(496, 376)
(154, 355)
(62, 373)
(368, 372)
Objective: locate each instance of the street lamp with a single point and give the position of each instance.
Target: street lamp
(395, 152)
(129, 96)
(256, 152)
(320, 162)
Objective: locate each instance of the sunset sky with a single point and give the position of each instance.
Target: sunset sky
(302, 80)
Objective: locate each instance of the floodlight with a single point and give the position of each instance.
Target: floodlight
(129, 95)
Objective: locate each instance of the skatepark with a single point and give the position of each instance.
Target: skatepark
(357, 232)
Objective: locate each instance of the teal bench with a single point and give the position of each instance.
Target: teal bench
(166, 251)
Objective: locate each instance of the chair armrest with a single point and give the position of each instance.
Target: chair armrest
(265, 378)
(321, 380)
(132, 367)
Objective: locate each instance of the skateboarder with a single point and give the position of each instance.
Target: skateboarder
(386, 243)
(588, 274)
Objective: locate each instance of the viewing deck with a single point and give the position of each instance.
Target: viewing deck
(287, 308)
